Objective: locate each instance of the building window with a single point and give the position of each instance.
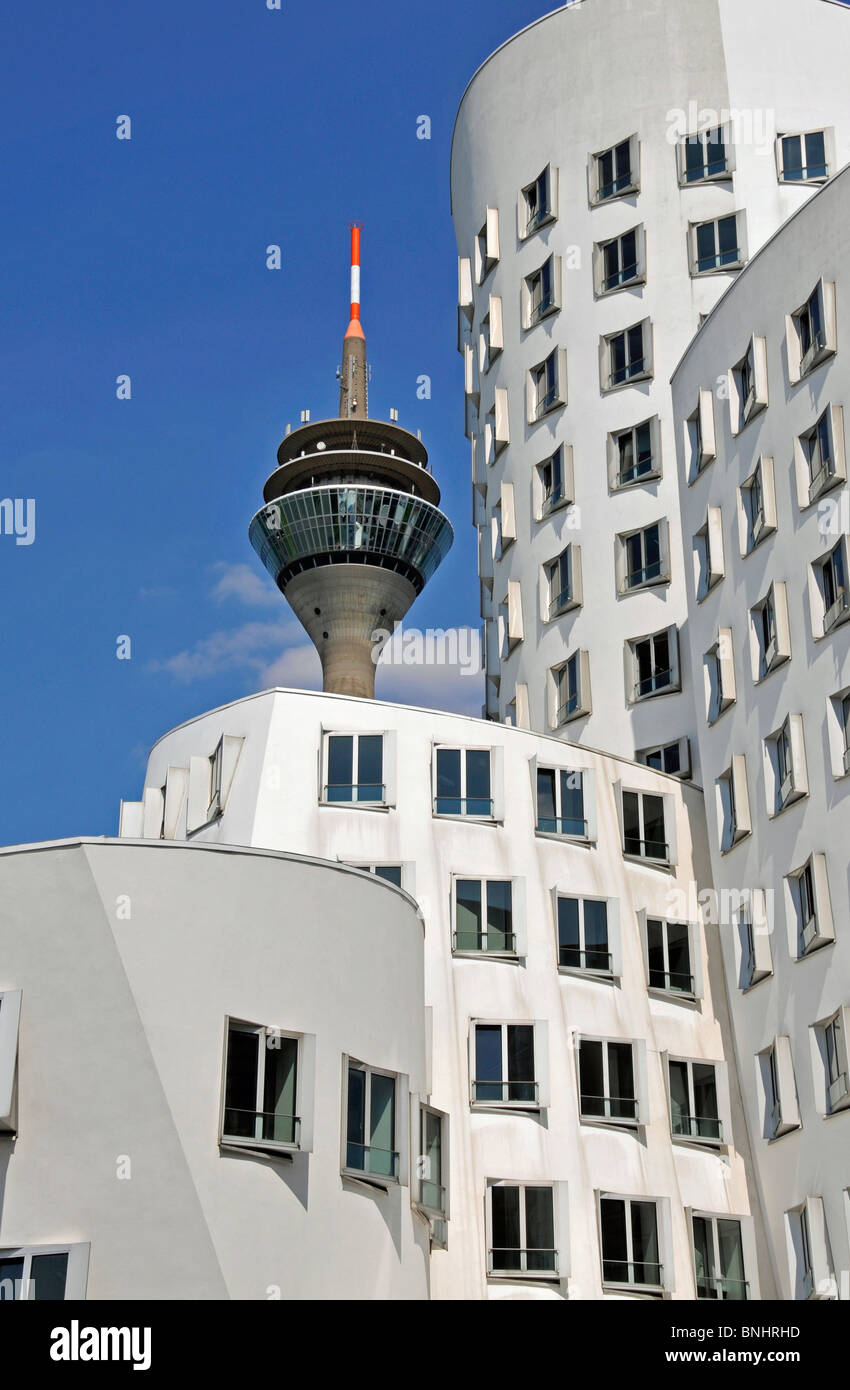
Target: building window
(554, 479)
(822, 458)
(704, 156)
(354, 769)
(521, 1225)
(654, 664)
(537, 203)
(749, 396)
(607, 1083)
(786, 765)
(782, 1112)
(630, 1244)
(734, 804)
(831, 576)
(644, 834)
(560, 802)
(10, 1018)
(484, 921)
(44, 1273)
(215, 806)
(562, 583)
(261, 1088)
(370, 1142)
(708, 553)
(497, 432)
(810, 902)
(719, 1267)
(754, 929)
(615, 171)
(700, 441)
(720, 675)
(541, 296)
(802, 158)
(432, 1167)
(570, 689)
(504, 1058)
(390, 872)
(619, 262)
(810, 1263)
(758, 506)
(583, 940)
(511, 629)
(634, 455)
(463, 782)
(770, 631)
(642, 557)
(547, 386)
(694, 1108)
(627, 356)
(673, 758)
(487, 246)
(832, 1044)
(813, 331)
(669, 957)
(716, 245)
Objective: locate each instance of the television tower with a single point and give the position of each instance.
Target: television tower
(351, 529)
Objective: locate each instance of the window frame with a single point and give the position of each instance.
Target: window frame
(755, 525)
(635, 696)
(749, 1256)
(601, 286)
(596, 195)
(618, 481)
(532, 314)
(622, 541)
(662, 1240)
(722, 1140)
(668, 812)
(401, 1101)
(562, 714)
(769, 653)
(303, 1090)
(804, 359)
(634, 374)
(708, 174)
(556, 606)
(832, 470)
(733, 804)
(666, 991)
(11, 1001)
(544, 508)
(76, 1272)
(495, 799)
(683, 744)
(697, 272)
(435, 1211)
(516, 934)
(827, 617)
(614, 970)
(539, 1082)
(555, 396)
(560, 1231)
(388, 760)
(640, 1118)
(528, 222)
(802, 135)
(810, 920)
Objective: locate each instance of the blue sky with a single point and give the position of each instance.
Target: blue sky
(146, 257)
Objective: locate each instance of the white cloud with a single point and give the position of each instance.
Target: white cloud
(248, 648)
(244, 584)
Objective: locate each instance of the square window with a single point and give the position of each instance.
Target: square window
(643, 558)
(653, 663)
(704, 156)
(620, 261)
(503, 1066)
(262, 1088)
(634, 455)
(484, 918)
(354, 769)
(521, 1231)
(716, 246)
(673, 758)
(627, 356)
(463, 784)
(803, 158)
(614, 172)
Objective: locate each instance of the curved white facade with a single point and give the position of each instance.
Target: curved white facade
(782, 681)
(627, 79)
(122, 963)
(278, 791)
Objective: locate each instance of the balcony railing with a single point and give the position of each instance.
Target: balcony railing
(711, 169)
(486, 943)
(354, 791)
(463, 806)
(546, 402)
(261, 1127)
(561, 825)
(537, 218)
(628, 371)
(609, 1107)
(432, 1197)
(645, 849)
(540, 307)
(593, 960)
(646, 1273)
(507, 1260)
(648, 685)
(720, 1286)
(719, 259)
(821, 478)
(368, 1158)
(836, 610)
(698, 1127)
(553, 498)
(560, 603)
(620, 277)
(615, 185)
(505, 1092)
(673, 981)
(644, 575)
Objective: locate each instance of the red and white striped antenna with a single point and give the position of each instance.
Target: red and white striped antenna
(354, 329)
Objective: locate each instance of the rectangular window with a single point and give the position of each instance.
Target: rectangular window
(432, 1168)
(540, 295)
(642, 557)
(630, 1244)
(770, 632)
(719, 1258)
(583, 940)
(537, 202)
(634, 455)
(487, 246)
(608, 1088)
(668, 948)
(463, 782)
(810, 323)
(627, 356)
(819, 454)
(643, 826)
(568, 687)
(44, 1273)
(547, 387)
(654, 662)
(559, 583)
(719, 666)
(354, 768)
(371, 1122)
(757, 513)
(553, 482)
(810, 904)
(786, 765)
(484, 916)
(703, 156)
(780, 1091)
(733, 803)
(215, 806)
(504, 1064)
(560, 802)
(715, 245)
(832, 574)
(673, 758)
(10, 1018)
(619, 262)
(802, 158)
(834, 1050)
(261, 1088)
(615, 171)
(522, 1230)
(693, 1101)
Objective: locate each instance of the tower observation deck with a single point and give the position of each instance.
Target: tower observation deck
(351, 529)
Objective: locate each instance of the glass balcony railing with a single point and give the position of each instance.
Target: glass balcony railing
(354, 791)
(463, 806)
(507, 1260)
(674, 981)
(505, 1092)
(609, 1107)
(367, 1158)
(697, 1127)
(261, 1126)
(720, 1286)
(561, 825)
(595, 959)
(486, 943)
(646, 1273)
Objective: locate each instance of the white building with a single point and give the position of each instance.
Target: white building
(765, 519)
(593, 235)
